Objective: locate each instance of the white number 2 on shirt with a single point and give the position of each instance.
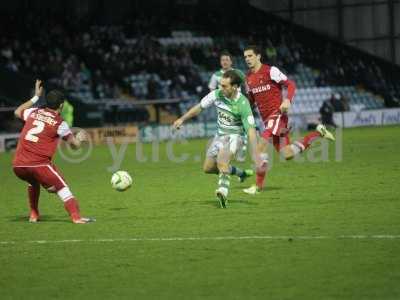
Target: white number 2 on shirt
(30, 135)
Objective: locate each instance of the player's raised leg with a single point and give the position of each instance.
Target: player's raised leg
(290, 151)
(325, 133)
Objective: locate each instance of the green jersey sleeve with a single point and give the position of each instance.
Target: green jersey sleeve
(246, 114)
(209, 99)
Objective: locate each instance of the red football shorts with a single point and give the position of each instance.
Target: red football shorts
(47, 176)
(277, 129)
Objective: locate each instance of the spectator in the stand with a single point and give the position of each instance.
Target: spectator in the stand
(336, 101)
(152, 88)
(391, 100)
(85, 73)
(339, 102)
(345, 103)
(270, 53)
(326, 112)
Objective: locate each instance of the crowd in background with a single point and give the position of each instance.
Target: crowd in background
(74, 55)
(80, 55)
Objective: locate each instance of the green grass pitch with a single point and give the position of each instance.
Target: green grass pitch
(327, 230)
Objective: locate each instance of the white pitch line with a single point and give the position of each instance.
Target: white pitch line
(216, 238)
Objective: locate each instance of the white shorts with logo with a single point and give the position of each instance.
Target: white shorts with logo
(233, 142)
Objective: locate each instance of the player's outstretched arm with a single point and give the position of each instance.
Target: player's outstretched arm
(286, 102)
(252, 136)
(291, 89)
(76, 141)
(29, 103)
(285, 106)
(194, 111)
(277, 76)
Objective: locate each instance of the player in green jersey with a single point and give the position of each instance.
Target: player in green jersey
(225, 60)
(235, 118)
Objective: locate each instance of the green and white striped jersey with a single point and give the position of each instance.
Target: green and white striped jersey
(234, 116)
(216, 78)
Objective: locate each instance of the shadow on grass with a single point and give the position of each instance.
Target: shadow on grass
(43, 218)
(235, 202)
(266, 189)
(118, 208)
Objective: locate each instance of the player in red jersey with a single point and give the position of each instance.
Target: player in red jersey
(36, 146)
(264, 86)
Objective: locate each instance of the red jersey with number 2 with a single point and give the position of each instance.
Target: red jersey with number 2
(39, 137)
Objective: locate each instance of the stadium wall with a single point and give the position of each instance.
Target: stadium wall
(372, 26)
(147, 134)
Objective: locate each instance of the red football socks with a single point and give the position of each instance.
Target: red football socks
(309, 139)
(33, 194)
(72, 207)
(261, 172)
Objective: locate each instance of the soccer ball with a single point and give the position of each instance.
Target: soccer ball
(121, 181)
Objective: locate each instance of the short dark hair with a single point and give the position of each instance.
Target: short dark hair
(225, 53)
(256, 49)
(233, 76)
(54, 99)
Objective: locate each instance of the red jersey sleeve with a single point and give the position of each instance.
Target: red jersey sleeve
(26, 112)
(63, 130)
(277, 76)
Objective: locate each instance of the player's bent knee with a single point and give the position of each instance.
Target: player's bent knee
(208, 170)
(223, 167)
(65, 194)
